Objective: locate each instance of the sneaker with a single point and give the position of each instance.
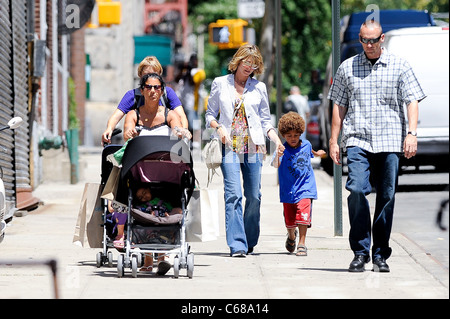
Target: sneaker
(239, 253)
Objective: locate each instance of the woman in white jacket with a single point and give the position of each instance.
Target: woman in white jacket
(238, 109)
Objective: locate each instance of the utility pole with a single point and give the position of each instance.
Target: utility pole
(278, 56)
(337, 169)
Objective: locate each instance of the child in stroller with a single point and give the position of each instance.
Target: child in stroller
(148, 204)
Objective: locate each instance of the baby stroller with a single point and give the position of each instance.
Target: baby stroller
(165, 165)
(109, 229)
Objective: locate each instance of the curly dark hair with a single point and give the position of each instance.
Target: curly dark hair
(291, 121)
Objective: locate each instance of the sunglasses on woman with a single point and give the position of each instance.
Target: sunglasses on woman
(150, 87)
(250, 65)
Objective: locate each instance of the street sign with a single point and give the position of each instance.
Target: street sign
(251, 9)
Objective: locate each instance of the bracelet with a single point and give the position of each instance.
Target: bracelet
(217, 127)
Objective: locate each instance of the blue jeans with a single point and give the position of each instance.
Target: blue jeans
(382, 170)
(242, 227)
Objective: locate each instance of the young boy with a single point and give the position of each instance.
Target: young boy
(296, 178)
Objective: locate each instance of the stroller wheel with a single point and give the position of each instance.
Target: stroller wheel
(120, 266)
(110, 259)
(99, 259)
(190, 265)
(176, 267)
(134, 266)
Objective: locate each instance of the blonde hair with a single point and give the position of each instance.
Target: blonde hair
(152, 62)
(245, 51)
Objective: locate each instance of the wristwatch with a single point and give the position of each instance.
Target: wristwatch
(217, 127)
(413, 133)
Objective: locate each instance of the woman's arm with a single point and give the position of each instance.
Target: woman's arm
(175, 124)
(129, 127)
(112, 122)
(183, 118)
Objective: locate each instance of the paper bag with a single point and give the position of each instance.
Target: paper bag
(89, 230)
(202, 219)
(110, 190)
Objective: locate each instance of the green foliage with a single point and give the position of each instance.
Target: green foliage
(350, 6)
(306, 40)
(306, 32)
(74, 122)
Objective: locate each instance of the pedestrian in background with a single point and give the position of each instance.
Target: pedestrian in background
(369, 91)
(243, 124)
(300, 105)
(296, 178)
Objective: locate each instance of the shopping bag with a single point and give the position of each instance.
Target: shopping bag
(89, 230)
(202, 219)
(110, 190)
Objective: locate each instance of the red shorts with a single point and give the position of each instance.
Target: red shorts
(299, 213)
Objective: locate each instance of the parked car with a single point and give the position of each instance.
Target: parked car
(350, 46)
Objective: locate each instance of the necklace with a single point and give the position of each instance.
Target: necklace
(146, 119)
(239, 82)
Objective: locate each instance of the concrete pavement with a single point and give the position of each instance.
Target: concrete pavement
(270, 273)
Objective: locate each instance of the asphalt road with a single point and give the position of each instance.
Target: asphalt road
(417, 204)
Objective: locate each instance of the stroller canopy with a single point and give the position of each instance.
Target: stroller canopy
(156, 158)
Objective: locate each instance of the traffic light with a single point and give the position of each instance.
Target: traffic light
(109, 12)
(106, 13)
(228, 34)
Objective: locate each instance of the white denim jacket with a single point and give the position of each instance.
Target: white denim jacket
(256, 103)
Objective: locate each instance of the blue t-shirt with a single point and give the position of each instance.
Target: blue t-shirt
(127, 102)
(295, 174)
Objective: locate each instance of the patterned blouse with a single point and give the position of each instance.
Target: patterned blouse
(242, 142)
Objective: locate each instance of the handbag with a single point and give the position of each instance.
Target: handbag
(212, 155)
(202, 218)
(110, 190)
(89, 230)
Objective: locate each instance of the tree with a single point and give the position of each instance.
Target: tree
(306, 37)
(306, 34)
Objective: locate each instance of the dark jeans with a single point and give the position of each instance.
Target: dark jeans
(382, 169)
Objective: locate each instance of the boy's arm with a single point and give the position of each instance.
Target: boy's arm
(276, 159)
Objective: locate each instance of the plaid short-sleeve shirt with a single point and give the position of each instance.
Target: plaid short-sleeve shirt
(375, 98)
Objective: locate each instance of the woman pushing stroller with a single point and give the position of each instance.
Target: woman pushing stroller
(153, 118)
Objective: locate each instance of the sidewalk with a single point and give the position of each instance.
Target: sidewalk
(271, 273)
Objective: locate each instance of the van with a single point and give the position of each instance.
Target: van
(389, 19)
(427, 51)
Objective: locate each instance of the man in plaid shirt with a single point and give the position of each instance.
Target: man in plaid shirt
(369, 93)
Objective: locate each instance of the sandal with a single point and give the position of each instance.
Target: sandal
(119, 243)
(290, 243)
(302, 250)
(146, 269)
